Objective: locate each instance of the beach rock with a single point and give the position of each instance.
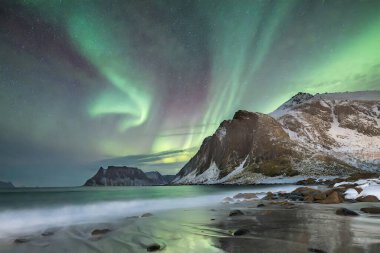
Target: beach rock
(305, 191)
(309, 181)
(153, 247)
(283, 203)
(146, 215)
(346, 212)
(241, 231)
(236, 213)
(316, 250)
(260, 205)
(347, 186)
(358, 189)
(276, 196)
(332, 182)
(21, 240)
(320, 196)
(100, 231)
(332, 198)
(371, 210)
(245, 196)
(306, 194)
(47, 233)
(269, 196)
(368, 198)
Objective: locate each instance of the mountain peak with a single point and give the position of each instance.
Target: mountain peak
(324, 134)
(297, 99)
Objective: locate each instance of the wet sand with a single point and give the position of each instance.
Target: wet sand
(273, 228)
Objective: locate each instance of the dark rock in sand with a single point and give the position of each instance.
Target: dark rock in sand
(260, 205)
(21, 240)
(100, 231)
(241, 231)
(153, 247)
(371, 210)
(368, 198)
(316, 250)
(47, 233)
(245, 196)
(236, 213)
(346, 212)
(146, 215)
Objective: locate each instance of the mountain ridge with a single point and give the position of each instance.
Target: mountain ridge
(301, 137)
(126, 176)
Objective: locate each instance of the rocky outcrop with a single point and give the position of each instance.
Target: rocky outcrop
(125, 176)
(309, 135)
(6, 185)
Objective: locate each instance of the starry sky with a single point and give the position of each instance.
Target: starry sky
(142, 83)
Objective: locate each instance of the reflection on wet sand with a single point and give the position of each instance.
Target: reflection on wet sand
(302, 228)
(270, 228)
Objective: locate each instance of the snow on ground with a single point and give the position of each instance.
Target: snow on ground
(209, 176)
(234, 173)
(351, 143)
(359, 95)
(369, 187)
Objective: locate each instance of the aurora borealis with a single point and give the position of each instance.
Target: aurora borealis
(82, 80)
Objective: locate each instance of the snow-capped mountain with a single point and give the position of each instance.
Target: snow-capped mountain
(345, 125)
(325, 134)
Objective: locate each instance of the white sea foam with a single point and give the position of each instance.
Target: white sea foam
(25, 221)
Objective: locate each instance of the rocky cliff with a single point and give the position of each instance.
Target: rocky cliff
(325, 134)
(6, 185)
(126, 176)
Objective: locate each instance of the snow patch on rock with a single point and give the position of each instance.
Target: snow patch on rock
(209, 176)
(369, 187)
(239, 169)
(221, 133)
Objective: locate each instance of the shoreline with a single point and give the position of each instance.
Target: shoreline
(296, 227)
(239, 223)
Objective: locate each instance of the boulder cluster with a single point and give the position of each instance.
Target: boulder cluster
(311, 195)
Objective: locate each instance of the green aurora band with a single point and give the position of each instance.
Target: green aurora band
(251, 55)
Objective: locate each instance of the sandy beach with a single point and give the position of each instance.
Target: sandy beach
(240, 226)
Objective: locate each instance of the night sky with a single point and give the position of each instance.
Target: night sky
(83, 81)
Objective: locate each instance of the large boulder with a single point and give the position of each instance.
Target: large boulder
(333, 198)
(371, 210)
(368, 198)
